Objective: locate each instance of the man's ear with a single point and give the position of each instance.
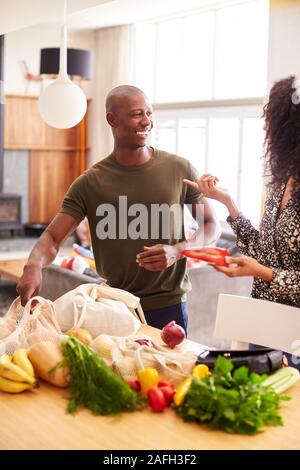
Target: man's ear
(111, 119)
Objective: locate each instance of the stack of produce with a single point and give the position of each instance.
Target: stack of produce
(236, 401)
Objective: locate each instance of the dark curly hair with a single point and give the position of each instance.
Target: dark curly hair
(282, 142)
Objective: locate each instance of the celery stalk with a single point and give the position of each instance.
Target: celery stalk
(283, 379)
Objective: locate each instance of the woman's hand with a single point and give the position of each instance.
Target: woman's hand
(245, 266)
(207, 185)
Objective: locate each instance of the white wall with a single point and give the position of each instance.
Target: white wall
(26, 45)
(284, 39)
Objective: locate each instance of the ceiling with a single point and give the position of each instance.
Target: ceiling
(118, 12)
(92, 14)
(18, 14)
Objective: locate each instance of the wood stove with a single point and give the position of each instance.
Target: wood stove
(10, 212)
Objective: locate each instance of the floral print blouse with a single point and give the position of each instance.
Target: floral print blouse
(276, 245)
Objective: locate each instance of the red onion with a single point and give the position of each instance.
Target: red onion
(172, 334)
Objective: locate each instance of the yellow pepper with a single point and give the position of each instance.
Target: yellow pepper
(201, 371)
(182, 390)
(148, 378)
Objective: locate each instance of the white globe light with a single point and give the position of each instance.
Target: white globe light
(62, 104)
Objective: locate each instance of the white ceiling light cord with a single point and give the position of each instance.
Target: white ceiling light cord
(62, 104)
(63, 45)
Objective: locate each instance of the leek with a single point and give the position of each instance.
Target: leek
(282, 379)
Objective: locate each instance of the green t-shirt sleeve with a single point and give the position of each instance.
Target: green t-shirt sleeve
(74, 202)
(192, 194)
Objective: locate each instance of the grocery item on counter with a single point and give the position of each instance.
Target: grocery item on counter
(94, 385)
(172, 334)
(48, 362)
(148, 378)
(16, 373)
(235, 401)
(126, 355)
(82, 334)
(99, 309)
(20, 358)
(156, 399)
(282, 379)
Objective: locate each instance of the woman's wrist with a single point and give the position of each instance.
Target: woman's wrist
(264, 273)
(232, 208)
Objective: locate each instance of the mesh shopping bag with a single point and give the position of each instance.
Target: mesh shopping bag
(22, 327)
(126, 356)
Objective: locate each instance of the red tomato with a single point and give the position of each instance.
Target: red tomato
(134, 385)
(165, 383)
(169, 393)
(156, 399)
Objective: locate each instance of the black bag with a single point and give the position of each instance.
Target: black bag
(261, 361)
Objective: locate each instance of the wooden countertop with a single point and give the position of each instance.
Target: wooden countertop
(38, 420)
(12, 268)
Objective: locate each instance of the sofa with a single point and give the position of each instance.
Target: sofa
(202, 299)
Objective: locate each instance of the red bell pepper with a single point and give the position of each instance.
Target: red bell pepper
(213, 255)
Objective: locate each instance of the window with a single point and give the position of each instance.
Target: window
(192, 141)
(206, 75)
(229, 146)
(241, 51)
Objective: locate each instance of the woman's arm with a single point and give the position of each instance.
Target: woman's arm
(245, 266)
(284, 281)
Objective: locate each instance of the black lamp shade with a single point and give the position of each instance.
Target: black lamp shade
(79, 62)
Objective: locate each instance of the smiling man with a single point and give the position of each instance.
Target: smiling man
(133, 200)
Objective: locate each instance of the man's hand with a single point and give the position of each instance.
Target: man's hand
(158, 257)
(245, 266)
(30, 283)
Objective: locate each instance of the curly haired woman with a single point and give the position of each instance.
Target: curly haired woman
(273, 251)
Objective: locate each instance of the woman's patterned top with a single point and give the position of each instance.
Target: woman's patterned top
(277, 246)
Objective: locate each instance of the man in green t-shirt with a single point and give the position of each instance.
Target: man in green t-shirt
(133, 200)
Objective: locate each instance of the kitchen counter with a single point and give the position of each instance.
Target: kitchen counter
(38, 420)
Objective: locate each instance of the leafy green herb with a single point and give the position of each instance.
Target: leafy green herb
(94, 385)
(236, 402)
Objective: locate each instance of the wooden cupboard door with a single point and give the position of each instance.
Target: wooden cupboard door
(23, 125)
(62, 138)
(51, 174)
(25, 129)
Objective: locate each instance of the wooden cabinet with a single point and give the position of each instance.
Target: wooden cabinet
(56, 157)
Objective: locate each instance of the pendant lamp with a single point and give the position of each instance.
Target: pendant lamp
(62, 104)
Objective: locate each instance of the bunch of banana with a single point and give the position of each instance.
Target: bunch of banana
(16, 372)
